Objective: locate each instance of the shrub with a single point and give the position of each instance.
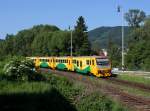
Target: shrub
(21, 70)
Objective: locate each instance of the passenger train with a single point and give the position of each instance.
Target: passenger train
(98, 66)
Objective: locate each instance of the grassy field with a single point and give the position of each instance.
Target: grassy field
(57, 93)
(134, 78)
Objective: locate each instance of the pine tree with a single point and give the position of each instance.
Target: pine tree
(82, 45)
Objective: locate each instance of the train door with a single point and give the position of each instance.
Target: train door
(93, 66)
(37, 63)
(70, 64)
(54, 63)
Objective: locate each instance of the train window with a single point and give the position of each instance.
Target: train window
(92, 62)
(77, 63)
(87, 62)
(80, 63)
(67, 61)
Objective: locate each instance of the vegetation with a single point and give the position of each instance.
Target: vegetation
(135, 17)
(81, 48)
(57, 93)
(138, 55)
(46, 40)
(99, 37)
(134, 78)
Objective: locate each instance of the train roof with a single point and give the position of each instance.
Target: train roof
(72, 57)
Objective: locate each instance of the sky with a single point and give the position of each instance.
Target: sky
(16, 15)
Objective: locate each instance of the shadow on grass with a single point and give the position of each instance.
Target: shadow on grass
(49, 101)
(114, 75)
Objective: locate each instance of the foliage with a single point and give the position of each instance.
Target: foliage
(21, 70)
(114, 54)
(99, 37)
(81, 43)
(46, 40)
(138, 56)
(134, 17)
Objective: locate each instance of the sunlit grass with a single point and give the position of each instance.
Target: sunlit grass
(134, 78)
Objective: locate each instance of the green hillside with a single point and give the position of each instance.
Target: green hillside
(99, 37)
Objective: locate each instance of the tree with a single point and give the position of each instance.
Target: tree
(114, 53)
(81, 45)
(139, 48)
(134, 17)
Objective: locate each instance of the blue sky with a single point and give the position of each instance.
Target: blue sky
(16, 15)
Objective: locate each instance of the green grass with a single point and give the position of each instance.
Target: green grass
(135, 91)
(57, 93)
(134, 78)
(98, 102)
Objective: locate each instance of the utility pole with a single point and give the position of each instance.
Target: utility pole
(70, 42)
(120, 9)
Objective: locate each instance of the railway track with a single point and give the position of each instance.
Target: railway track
(135, 102)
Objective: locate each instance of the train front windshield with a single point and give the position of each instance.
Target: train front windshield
(103, 63)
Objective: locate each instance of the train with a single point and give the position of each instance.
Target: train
(98, 66)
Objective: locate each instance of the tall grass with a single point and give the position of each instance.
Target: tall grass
(133, 78)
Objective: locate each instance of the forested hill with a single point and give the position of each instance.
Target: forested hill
(99, 37)
(47, 40)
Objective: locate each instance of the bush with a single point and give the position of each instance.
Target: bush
(21, 70)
